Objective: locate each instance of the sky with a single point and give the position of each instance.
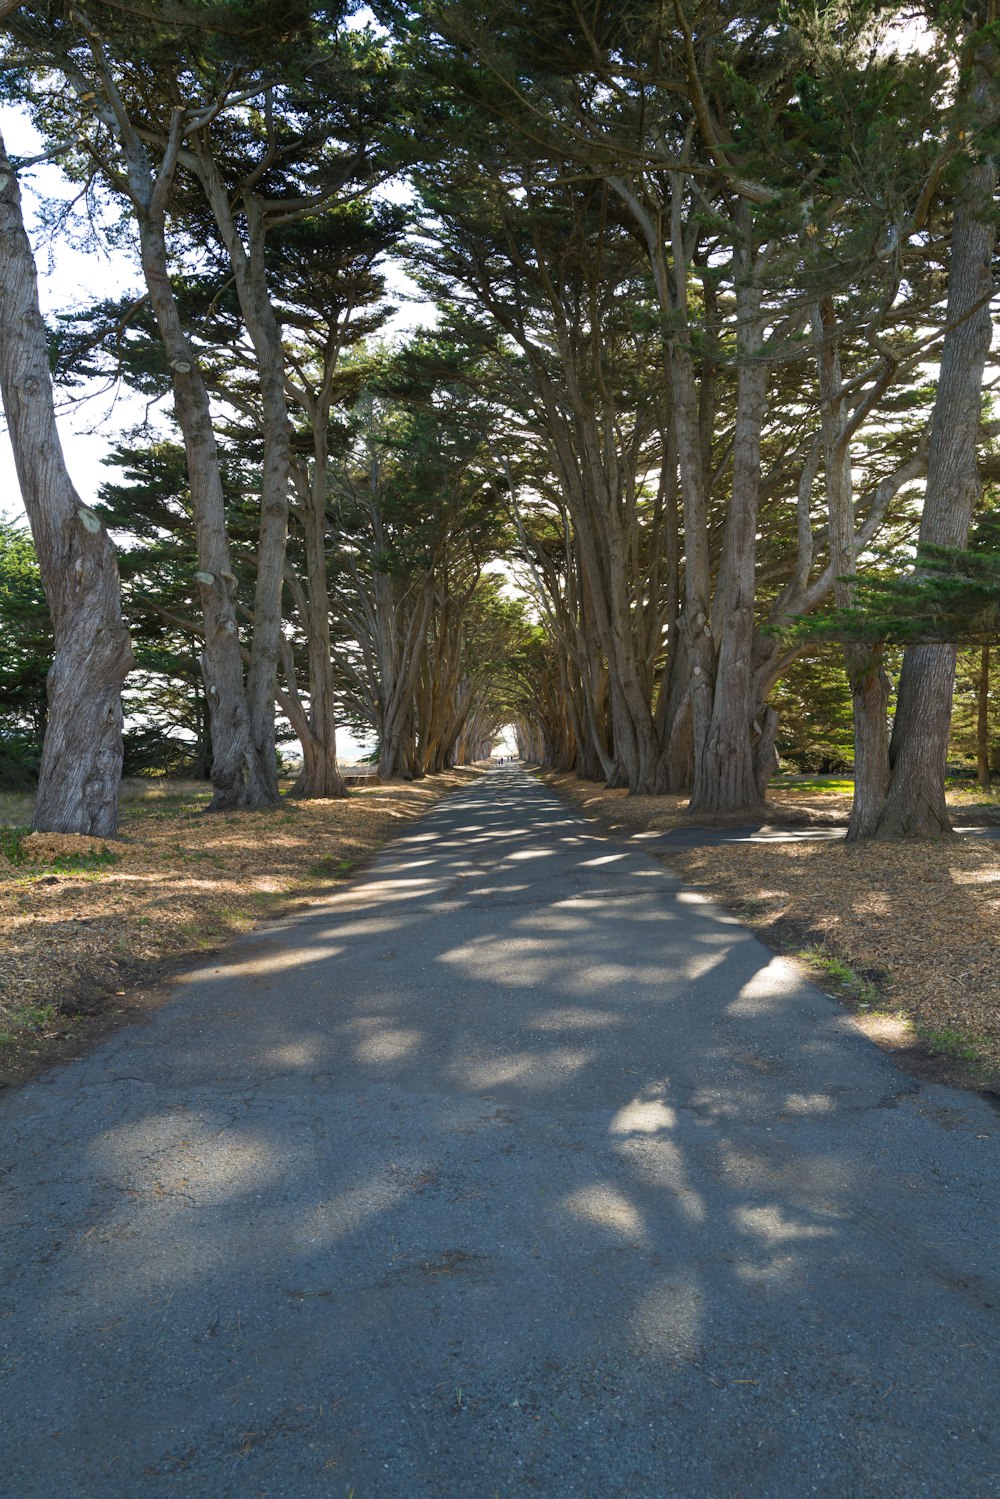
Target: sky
(70, 276)
(67, 277)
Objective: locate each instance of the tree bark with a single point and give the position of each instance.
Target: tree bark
(239, 777)
(727, 770)
(265, 335)
(82, 750)
(915, 803)
(402, 643)
(320, 776)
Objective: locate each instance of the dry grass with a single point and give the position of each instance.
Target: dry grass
(786, 806)
(791, 802)
(85, 923)
(908, 931)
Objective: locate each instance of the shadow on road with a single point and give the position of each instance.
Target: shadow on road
(516, 1170)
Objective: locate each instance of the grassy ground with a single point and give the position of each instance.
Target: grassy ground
(88, 926)
(907, 934)
(831, 796)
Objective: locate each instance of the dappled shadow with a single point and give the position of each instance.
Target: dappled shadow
(516, 1169)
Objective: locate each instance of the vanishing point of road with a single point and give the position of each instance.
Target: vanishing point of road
(513, 1169)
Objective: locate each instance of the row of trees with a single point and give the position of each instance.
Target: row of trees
(239, 150)
(743, 266)
(714, 309)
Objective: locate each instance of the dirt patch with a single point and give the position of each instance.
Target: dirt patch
(88, 927)
(906, 934)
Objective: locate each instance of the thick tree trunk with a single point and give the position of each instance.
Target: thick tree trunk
(673, 712)
(82, 750)
(636, 760)
(870, 703)
(589, 765)
(401, 645)
(915, 804)
(726, 768)
(238, 777)
(764, 732)
(320, 777)
(271, 544)
(395, 757)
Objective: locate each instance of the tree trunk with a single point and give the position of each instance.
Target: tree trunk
(863, 663)
(320, 776)
(273, 530)
(401, 652)
(265, 335)
(726, 768)
(696, 619)
(915, 804)
(82, 750)
(870, 702)
(239, 777)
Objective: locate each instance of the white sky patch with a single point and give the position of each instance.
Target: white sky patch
(910, 35)
(69, 277)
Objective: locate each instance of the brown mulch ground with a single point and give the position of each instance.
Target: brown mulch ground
(87, 926)
(916, 923)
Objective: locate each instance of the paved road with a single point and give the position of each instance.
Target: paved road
(515, 1170)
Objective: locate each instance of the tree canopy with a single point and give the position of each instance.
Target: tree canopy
(711, 322)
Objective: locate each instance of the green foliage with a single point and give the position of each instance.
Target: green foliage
(148, 509)
(25, 655)
(814, 702)
(833, 785)
(10, 843)
(952, 594)
(419, 473)
(12, 848)
(965, 726)
(519, 117)
(947, 1042)
(842, 975)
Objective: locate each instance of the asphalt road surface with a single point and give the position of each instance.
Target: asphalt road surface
(512, 1170)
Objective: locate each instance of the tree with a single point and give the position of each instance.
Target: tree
(148, 506)
(418, 516)
(948, 595)
(974, 727)
(915, 800)
(331, 298)
(206, 92)
(570, 147)
(82, 752)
